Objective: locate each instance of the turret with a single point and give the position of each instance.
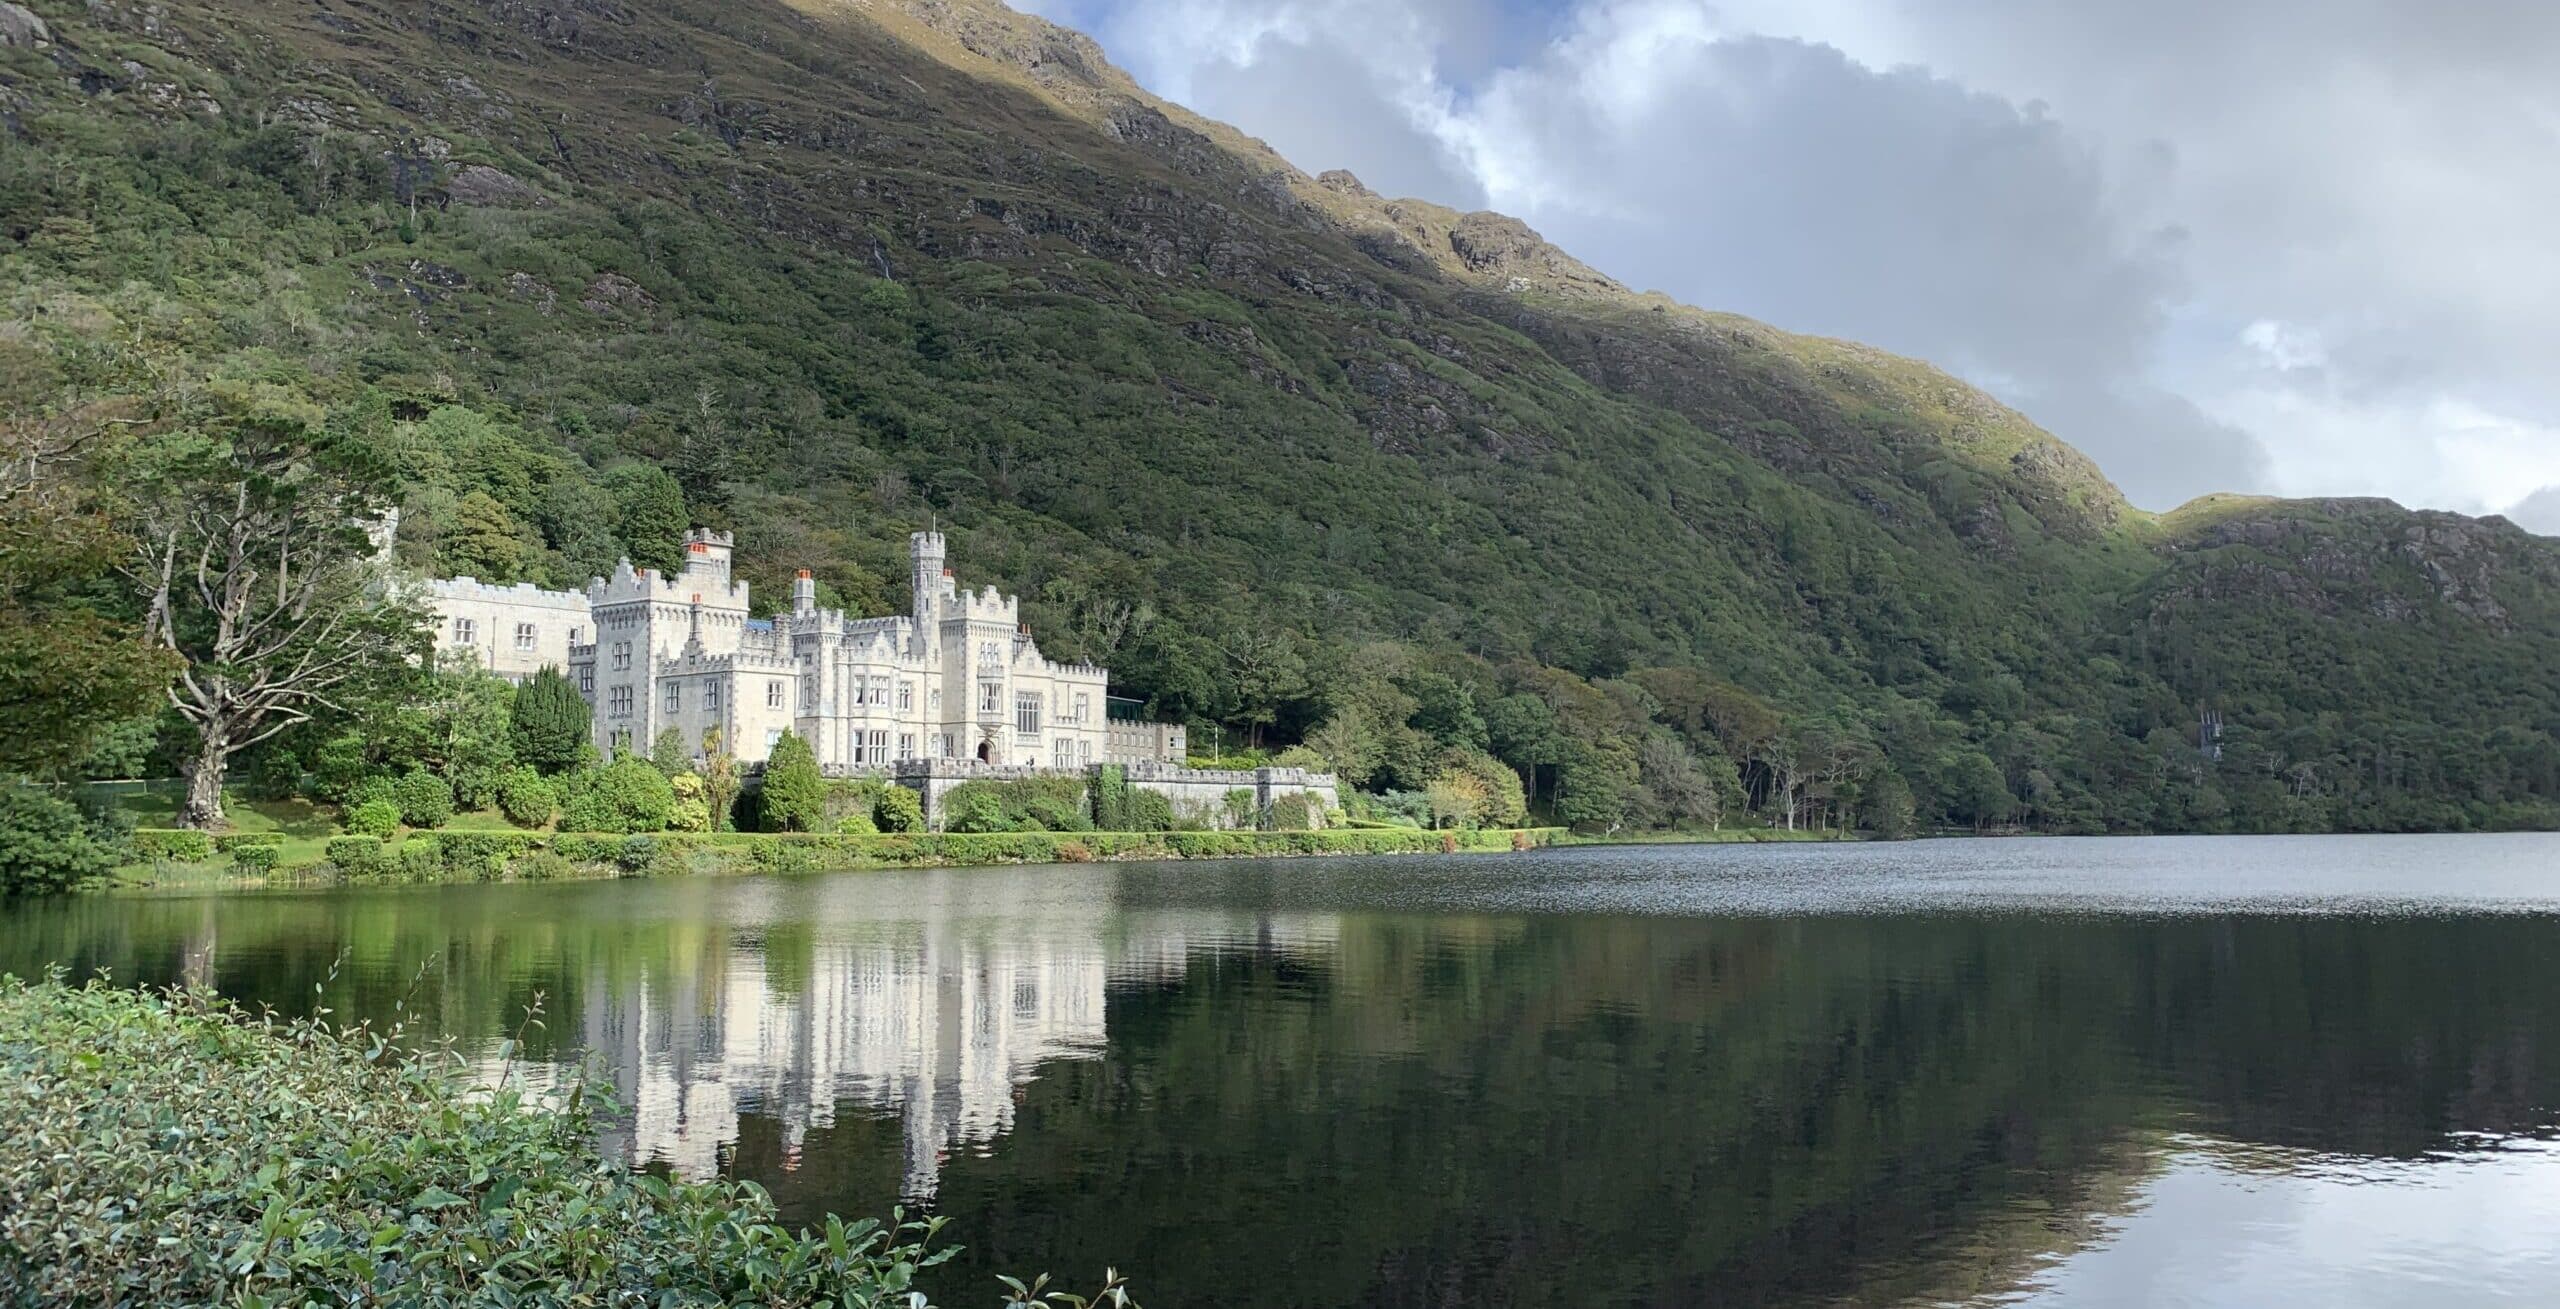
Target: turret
(709, 551)
(926, 552)
(804, 594)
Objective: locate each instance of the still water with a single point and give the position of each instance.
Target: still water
(2185, 1071)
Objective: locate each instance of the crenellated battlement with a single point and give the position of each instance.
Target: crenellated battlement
(520, 593)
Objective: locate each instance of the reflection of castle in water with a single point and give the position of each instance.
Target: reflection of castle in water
(937, 1017)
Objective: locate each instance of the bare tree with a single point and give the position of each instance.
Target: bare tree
(256, 570)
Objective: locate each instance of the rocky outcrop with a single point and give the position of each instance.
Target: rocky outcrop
(614, 293)
(19, 26)
(482, 186)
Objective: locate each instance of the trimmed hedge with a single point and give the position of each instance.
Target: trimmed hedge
(452, 856)
(177, 845)
(230, 841)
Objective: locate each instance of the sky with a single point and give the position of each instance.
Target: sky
(2299, 247)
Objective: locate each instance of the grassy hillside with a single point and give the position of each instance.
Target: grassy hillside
(1282, 452)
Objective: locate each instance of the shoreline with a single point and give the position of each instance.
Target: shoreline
(448, 857)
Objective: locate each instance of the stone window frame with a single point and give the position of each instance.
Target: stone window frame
(465, 631)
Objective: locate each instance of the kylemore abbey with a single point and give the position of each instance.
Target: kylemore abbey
(954, 689)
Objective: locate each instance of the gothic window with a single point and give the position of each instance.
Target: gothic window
(879, 747)
(675, 697)
(879, 691)
(937, 699)
(1062, 752)
(950, 746)
(621, 739)
(906, 745)
(577, 636)
(618, 702)
(587, 681)
(906, 696)
(1084, 751)
(990, 697)
(524, 636)
(621, 654)
(711, 697)
(1026, 714)
(987, 654)
(465, 631)
(773, 694)
(861, 752)
(1084, 705)
(809, 693)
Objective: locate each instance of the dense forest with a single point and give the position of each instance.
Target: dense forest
(1306, 467)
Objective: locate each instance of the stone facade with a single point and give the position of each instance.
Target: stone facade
(515, 631)
(958, 677)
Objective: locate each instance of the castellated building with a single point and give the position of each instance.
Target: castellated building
(957, 679)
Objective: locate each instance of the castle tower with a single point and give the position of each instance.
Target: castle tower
(926, 552)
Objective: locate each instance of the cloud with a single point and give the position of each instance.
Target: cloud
(2297, 245)
(2538, 512)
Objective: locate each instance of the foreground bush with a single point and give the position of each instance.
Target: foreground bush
(168, 1149)
(44, 844)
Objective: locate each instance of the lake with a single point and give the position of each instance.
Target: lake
(2175, 1071)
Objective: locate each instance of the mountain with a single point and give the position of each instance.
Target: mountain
(1295, 459)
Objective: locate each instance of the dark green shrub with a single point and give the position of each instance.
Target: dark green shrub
(526, 797)
(794, 791)
(548, 722)
(230, 841)
(482, 856)
(1295, 813)
(425, 800)
(1239, 806)
(1111, 799)
(974, 807)
(255, 860)
(635, 854)
(277, 775)
(542, 866)
(1148, 811)
(357, 857)
(375, 818)
(44, 845)
(376, 786)
(176, 845)
(898, 809)
(420, 860)
(627, 795)
(856, 824)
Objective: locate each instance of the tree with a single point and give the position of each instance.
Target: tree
(1976, 791)
(719, 778)
(549, 722)
(255, 569)
(1885, 807)
(1675, 791)
(467, 716)
(68, 673)
(485, 541)
(1490, 791)
(669, 753)
(1456, 797)
(795, 794)
(649, 508)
